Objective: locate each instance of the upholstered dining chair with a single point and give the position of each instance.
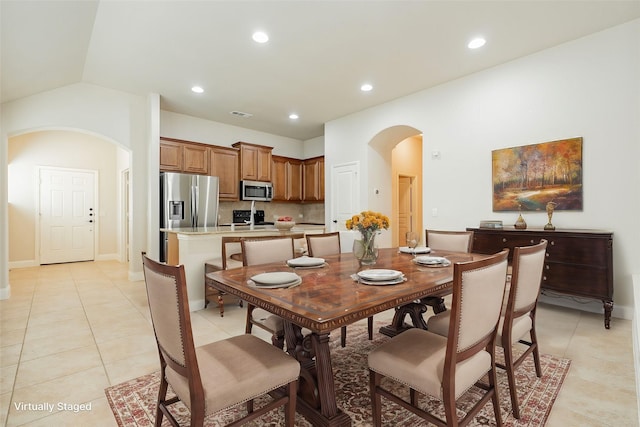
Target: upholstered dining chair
(216, 376)
(457, 241)
(265, 250)
(446, 367)
(319, 245)
(518, 314)
(445, 240)
(231, 257)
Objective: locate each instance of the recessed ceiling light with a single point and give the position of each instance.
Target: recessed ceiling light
(476, 43)
(197, 89)
(260, 37)
(366, 87)
(294, 116)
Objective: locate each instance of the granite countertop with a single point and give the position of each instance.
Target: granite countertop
(226, 229)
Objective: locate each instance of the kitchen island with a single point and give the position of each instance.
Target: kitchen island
(192, 247)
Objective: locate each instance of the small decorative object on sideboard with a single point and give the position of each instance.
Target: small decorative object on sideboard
(550, 207)
(520, 222)
(491, 224)
(284, 223)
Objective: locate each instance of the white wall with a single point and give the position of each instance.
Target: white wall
(115, 116)
(588, 88)
(173, 125)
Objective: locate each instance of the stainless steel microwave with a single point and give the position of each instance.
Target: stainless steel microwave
(256, 190)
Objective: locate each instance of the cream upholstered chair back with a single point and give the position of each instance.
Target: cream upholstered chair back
(167, 295)
(231, 245)
(267, 250)
(319, 245)
(526, 278)
(475, 310)
(455, 241)
(228, 383)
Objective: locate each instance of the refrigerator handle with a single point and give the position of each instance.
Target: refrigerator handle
(194, 206)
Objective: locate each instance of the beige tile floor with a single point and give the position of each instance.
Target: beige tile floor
(70, 330)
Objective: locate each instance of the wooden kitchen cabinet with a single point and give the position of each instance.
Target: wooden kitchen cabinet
(255, 161)
(578, 262)
(313, 179)
(224, 165)
(286, 176)
(183, 156)
(170, 156)
(195, 159)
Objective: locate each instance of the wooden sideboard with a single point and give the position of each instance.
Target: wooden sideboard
(579, 262)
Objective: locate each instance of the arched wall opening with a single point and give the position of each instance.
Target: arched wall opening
(395, 177)
(73, 149)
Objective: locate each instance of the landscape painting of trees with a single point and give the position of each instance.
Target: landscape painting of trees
(530, 176)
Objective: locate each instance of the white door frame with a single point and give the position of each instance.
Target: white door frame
(96, 228)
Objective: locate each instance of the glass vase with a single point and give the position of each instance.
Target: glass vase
(365, 249)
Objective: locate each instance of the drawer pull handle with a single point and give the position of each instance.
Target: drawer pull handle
(504, 239)
(544, 277)
(553, 243)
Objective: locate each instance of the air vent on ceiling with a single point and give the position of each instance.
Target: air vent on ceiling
(241, 114)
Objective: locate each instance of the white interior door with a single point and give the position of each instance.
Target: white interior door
(345, 193)
(67, 215)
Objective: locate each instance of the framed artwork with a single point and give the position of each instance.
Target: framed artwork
(528, 177)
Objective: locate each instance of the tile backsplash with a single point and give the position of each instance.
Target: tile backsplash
(311, 212)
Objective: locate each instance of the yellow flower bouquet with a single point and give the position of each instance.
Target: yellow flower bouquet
(368, 223)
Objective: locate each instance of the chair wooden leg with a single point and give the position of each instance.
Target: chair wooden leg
(536, 353)
(376, 400)
(370, 327)
(250, 406)
(508, 366)
(493, 380)
(290, 406)
(343, 336)
(249, 325)
(221, 304)
(162, 394)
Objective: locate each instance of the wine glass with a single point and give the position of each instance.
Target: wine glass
(412, 241)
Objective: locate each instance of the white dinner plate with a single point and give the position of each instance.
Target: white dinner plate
(417, 250)
(435, 261)
(379, 274)
(305, 261)
(395, 281)
(275, 278)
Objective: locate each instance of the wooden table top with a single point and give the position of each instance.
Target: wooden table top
(329, 298)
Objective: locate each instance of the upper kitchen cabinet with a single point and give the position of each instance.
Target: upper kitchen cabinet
(196, 159)
(286, 176)
(255, 161)
(224, 165)
(183, 156)
(313, 179)
(170, 156)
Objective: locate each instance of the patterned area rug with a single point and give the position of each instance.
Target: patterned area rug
(133, 402)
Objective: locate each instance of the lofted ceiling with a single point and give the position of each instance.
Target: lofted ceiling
(318, 55)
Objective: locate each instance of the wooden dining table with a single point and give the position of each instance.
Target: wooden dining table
(327, 299)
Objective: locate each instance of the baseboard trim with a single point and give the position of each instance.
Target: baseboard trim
(584, 304)
(636, 333)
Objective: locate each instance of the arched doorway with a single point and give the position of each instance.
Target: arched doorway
(65, 149)
(396, 169)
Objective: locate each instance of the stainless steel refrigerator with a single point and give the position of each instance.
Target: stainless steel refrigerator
(186, 201)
